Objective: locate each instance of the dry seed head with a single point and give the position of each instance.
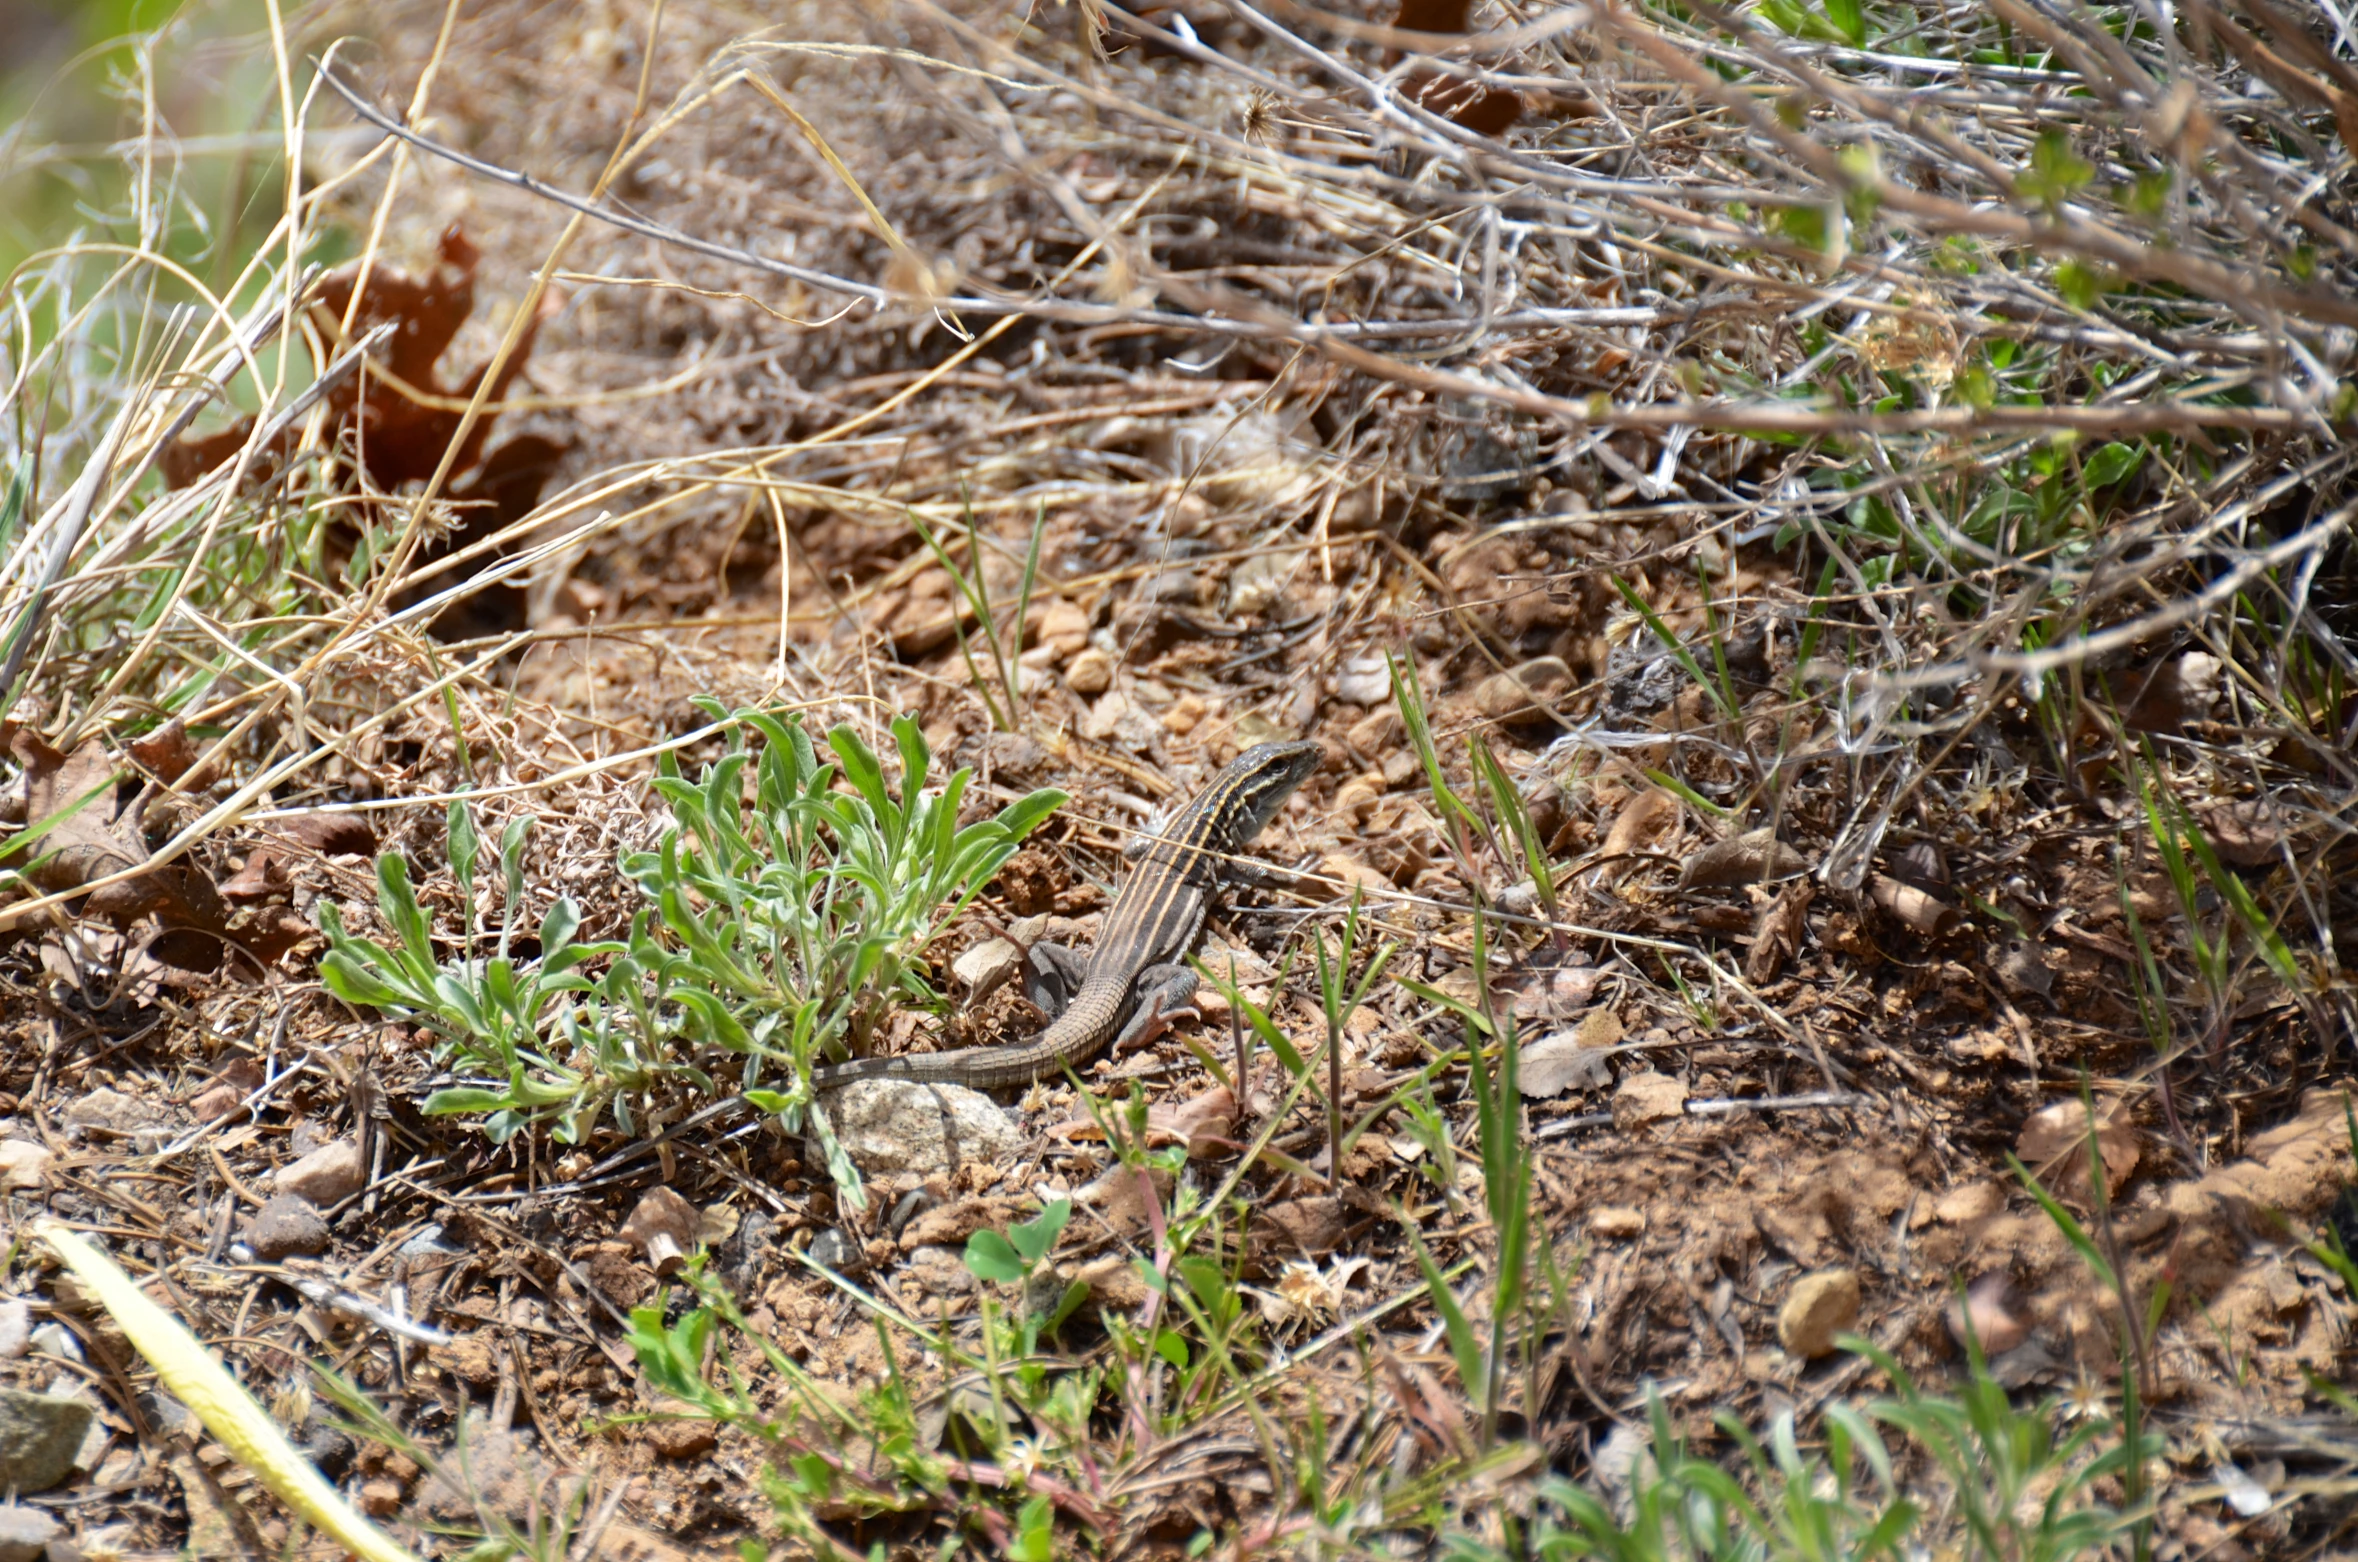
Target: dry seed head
(1258, 122)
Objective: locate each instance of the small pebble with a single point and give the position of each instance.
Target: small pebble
(1993, 1309)
(1821, 1305)
(285, 1226)
(328, 1175)
(1091, 672)
(24, 1164)
(1364, 680)
(1613, 1223)
(835, 1251)
(55, 1339)
(16, 1328)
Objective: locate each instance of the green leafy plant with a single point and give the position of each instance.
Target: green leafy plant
(492, 1015)
(780, 929)
(1011, 1258)
(795, 923)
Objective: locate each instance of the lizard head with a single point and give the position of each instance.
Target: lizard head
(1259, 780)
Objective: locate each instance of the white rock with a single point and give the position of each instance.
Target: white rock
(327, 1176)
(23, 1163)
(25, 1533)
(899, 1125)
(16, 1328)
(984, 967)
(1364, 680)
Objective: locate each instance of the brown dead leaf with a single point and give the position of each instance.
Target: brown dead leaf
(1431, 1412)
(398, 416)
(1205, 1123)
(2054, 1145)
(262, 877)
(1545, 988)
(238, 1079)
(1572, 1059)
(1481, 109)
(2250, 833)
(1641, 819)
(1351, 873)
(167, 754)
(1755, 857)
(1776, 936)
(1308, 1228)
(1484, 110)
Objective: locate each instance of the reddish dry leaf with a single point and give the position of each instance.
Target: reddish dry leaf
(1431, 1412)
(1544, 989)
(2054, 1145)
(262, 877)
(330, 834)
(1484, 110)
(1432, 16)
(238, 1079)
(271, 937)
(1205, 1123)
(167, 754)
(397, 437)
(85, 835)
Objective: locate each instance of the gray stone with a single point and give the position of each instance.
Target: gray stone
(112, 1112)
(25, 1533)
(55, 1339)
(328, 1175)
(1016, 753)
(896, 1125)
(168, 1415)
(284, 1226)
(832, 1249)
(938, 1270)
(39, 1436)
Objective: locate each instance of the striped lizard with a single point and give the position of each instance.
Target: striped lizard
(1137, 977)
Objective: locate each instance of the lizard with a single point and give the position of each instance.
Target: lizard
(1136, 978)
